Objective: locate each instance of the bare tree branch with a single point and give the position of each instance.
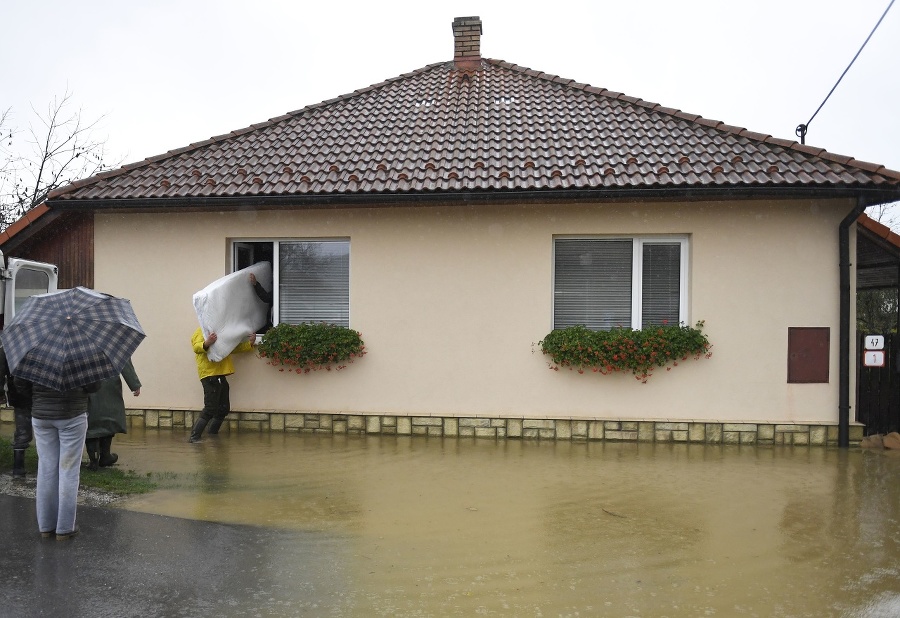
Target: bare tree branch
(886, 214)
(6, 135)
(58, 148)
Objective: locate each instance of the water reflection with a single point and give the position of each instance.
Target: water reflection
(461, 527)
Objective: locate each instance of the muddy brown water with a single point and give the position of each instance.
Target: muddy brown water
(466, 527)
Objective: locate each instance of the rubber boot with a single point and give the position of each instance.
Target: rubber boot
(93, 449)
(214, 426)
(106, 458)
(19, 463)
(197, 431)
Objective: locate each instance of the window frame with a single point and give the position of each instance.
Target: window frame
(238, 244)
(637, 274)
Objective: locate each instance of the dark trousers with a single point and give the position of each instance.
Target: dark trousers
(23, 435)
(216, 403)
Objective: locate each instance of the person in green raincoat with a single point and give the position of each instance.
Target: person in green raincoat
(106, 416)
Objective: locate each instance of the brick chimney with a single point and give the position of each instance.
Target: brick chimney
(467, 43)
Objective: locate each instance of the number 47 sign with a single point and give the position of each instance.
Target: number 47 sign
(874, 353)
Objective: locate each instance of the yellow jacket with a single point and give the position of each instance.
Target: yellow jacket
(206, 367)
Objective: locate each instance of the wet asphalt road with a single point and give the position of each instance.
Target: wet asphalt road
(134, 564)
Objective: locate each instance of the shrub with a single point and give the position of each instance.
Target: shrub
(623, 349)
(302, 348)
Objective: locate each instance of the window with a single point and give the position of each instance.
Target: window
(604, 283)
(311, 278)
(28, 283)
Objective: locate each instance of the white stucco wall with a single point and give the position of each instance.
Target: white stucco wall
(449, 301)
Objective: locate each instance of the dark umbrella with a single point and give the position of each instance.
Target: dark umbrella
(68, 339)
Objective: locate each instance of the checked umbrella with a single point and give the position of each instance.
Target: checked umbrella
(68, 339)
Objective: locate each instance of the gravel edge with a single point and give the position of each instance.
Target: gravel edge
(25, 488)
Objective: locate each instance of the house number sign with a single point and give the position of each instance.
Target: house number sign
(874, 342)
(874, 354)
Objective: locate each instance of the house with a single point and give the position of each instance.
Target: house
(457, 214)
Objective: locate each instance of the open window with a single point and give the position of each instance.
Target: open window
(311, 278)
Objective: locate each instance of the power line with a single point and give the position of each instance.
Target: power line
(802, 128)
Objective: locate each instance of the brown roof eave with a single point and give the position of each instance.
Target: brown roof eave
(868, 196)
(25, 228)
(880, 233)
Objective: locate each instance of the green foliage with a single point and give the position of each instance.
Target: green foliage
(302, 348)
(623, 349)
(876, 311)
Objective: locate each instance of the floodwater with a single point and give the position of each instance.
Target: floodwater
(442, 527)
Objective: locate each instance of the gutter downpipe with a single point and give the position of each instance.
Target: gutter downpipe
(844, 345)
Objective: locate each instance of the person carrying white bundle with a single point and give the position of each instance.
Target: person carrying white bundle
(216, 400)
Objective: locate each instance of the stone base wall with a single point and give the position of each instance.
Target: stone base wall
(501, 428)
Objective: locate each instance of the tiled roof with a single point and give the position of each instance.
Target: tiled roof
(442, 130)
(880, 230)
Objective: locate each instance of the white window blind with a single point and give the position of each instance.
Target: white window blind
(661, 286)
(593, 283)
(314, 281)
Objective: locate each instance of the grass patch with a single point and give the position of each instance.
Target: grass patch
(113, 480)
(6, 456)
(120, 482)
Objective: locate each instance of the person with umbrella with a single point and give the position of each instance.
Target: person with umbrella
(59, 347)
(59, 420)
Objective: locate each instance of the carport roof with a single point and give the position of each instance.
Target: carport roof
(877, 255)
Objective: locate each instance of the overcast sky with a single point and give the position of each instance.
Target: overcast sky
(168, 73)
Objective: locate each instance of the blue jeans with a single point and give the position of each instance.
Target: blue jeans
(59, 445)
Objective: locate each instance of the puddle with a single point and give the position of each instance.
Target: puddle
(463, 527)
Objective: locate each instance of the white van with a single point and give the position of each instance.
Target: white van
(21, 279)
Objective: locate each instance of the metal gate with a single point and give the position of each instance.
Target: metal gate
(878, 390)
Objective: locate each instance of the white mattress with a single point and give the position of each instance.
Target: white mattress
(230, 308)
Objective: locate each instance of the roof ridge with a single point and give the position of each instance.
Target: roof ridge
(718, 125)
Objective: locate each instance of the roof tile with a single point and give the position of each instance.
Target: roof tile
(500, 127)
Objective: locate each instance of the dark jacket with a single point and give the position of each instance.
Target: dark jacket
(13, 397)
(106, 408)
(49, 404)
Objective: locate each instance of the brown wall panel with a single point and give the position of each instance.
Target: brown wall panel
(808, 353)
(69, 243)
